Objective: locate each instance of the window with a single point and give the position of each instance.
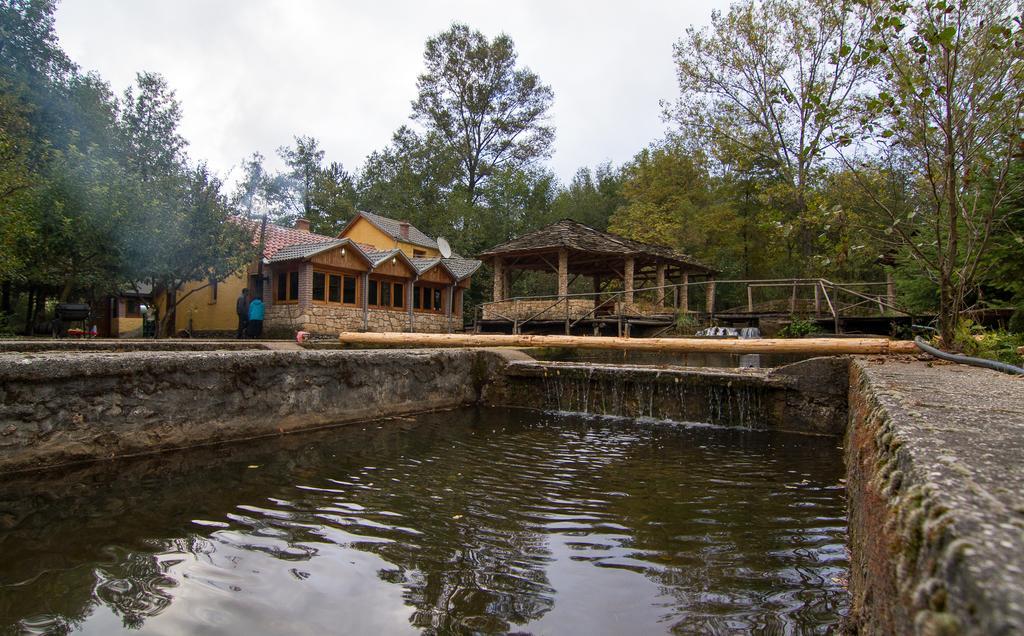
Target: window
(286, 289)
(428, 298)
(131, 308)
(372, 295)
(319, 286)
(386, 293)
(213, 290)
(398, 299)
(348, 296)
(281, 289)
(334, 289)
(419, 254)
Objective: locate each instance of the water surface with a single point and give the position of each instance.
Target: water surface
(463, 522)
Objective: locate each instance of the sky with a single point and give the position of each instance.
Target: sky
(252, 74)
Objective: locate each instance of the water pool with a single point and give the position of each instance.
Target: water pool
(478, 520)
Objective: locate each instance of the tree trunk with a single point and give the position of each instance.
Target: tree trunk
(5, 299)
(28, 311)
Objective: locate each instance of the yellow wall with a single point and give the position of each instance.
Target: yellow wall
(126, 327)
(206, 314)
(362, 231)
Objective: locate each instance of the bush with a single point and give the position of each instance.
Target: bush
(1001, 345)
(686, 325)
(799, 328)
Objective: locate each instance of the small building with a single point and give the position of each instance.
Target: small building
(632, 281)
(378, 274)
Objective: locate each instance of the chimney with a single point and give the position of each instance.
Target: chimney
(302, 225)
(404, 229)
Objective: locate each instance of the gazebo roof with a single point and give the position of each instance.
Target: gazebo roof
(583, 241)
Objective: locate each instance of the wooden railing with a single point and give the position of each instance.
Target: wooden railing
(807, 297)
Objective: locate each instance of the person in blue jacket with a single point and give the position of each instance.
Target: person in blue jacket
(255, 325)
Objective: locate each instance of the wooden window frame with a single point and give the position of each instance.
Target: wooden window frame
(342, 275)
(420, 289)
(288, 290)
(373, 303)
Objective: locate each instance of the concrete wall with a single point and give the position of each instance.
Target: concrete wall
(935, 490)
(61, 408)
(807, 397)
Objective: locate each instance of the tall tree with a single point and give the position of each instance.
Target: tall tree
(489, 112)
(591, 197)
(951, 78)
(333, 199)
(149, 116)
(304, 162)
(773, 80)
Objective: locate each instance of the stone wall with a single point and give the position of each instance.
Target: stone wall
(546, 309)
(333, 319)
(59, 408)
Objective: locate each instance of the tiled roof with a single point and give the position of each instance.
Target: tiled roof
(303, 250)
(278, 237)
(423, 264)
(393, 228)
(461, 267)
(576, 236)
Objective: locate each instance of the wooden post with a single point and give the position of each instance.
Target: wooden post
(627, 282)
(711, 296)
(499, 279)
(792, 300)
(411, 285)
(449, 308)
(684, 293)
(890, 288)
(563, 273)
(660, 284)
(817, 301)
(366, 300)
(750, 299)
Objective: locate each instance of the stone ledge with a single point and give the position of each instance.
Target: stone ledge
(936, 499)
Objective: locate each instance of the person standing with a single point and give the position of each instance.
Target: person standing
(242, 309)
(255, 324)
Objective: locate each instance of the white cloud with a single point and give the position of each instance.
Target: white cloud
(251, 74)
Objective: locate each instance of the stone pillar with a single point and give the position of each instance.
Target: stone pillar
(499, 279)
(627, 282)
(684, 292)
(563, 273)
(660, 284)
(305, 286)
(711, 295)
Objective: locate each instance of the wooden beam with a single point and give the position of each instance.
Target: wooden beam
(823, 346)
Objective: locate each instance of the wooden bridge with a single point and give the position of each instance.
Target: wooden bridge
(864, 307)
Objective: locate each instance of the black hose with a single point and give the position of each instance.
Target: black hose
(977, 362)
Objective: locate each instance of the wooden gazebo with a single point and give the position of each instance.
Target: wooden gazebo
(571, 250)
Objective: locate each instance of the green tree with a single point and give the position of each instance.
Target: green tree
(951, 79)
(304, 162)
(149, 117)
(773, 81)
(491, 114)
(332, 200)
(591, 197)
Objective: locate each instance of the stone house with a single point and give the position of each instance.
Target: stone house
(378, 274)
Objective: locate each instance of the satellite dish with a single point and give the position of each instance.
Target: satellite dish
(443, 247)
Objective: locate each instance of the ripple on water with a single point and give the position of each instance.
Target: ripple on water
(476, 521)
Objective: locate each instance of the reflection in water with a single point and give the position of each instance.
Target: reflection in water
(469, 521)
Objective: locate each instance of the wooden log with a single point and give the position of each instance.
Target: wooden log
(822, 346)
